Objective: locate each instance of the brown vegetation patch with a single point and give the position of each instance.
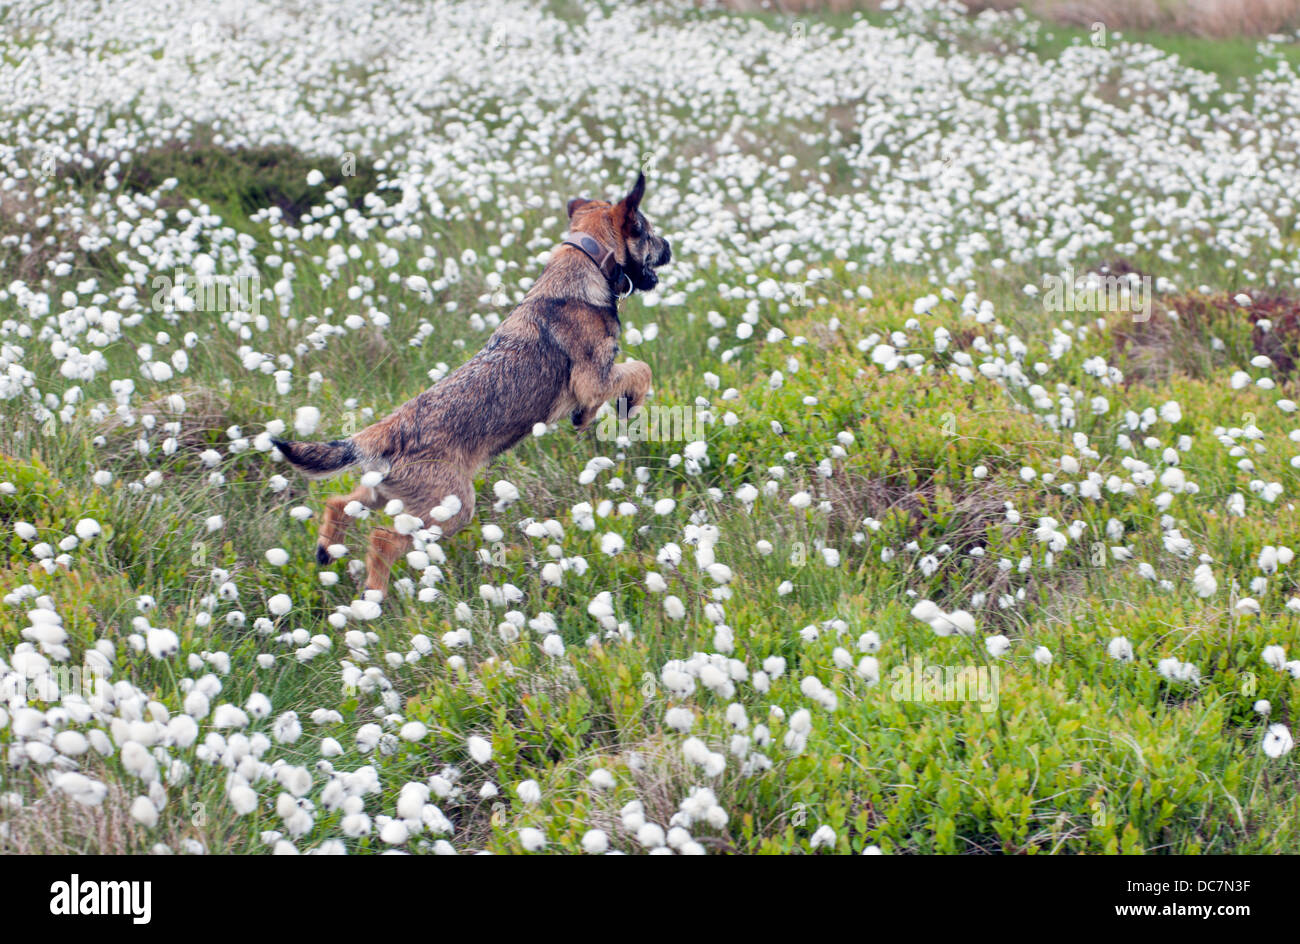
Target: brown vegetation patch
(935, 514)
(204, 421)
(1120, 266)
(968, 513)
(1281, 342)
(244, 179)
(1217, 18)
(30, 260)
(1197, 17)
(55, 824)
(1156, 349)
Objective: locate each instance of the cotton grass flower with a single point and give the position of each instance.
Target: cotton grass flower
(162, 643)
(480, 749)
(823, 838)
(87, 528)
(1120, 649)
(1277, 741)
(305, 421)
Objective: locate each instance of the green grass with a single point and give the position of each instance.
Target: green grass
(1230, 59)
(1086, 755)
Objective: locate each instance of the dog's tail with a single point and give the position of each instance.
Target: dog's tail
(318, 460)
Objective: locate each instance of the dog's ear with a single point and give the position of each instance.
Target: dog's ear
(632, 202)
(576, 204)
(625, 209)
(633, 199)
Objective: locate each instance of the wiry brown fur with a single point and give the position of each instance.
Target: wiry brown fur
(552, 356)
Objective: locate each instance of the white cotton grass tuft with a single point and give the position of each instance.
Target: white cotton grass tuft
(823, 838)
(963, 623)
(258, 705)
(305, 420)
(944, 624)
(1277, 741)
(162, 643)
(413, 731)
(679, 719)
(406, 524)
(926, 611)
(144, 812)
(480, 749)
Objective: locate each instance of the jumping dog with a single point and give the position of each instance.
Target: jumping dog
(553, 356)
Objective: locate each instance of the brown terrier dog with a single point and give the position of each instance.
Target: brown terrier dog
(552, 356)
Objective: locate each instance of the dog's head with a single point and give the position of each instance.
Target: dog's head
(623, 227)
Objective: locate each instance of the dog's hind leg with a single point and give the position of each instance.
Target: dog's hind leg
(449, 496)
(334, 520)
(386, 545)
(442, 498)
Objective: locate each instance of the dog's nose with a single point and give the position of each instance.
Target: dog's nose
(667, 254)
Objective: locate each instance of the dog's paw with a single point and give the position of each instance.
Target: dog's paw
(582, 417)
(322, 555)
(628, 404)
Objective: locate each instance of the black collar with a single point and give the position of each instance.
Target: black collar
(603, 259)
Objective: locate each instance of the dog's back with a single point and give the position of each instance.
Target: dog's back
(519, 379)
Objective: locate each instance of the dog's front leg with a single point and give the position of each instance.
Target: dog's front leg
(593, 388)
(633, 384)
